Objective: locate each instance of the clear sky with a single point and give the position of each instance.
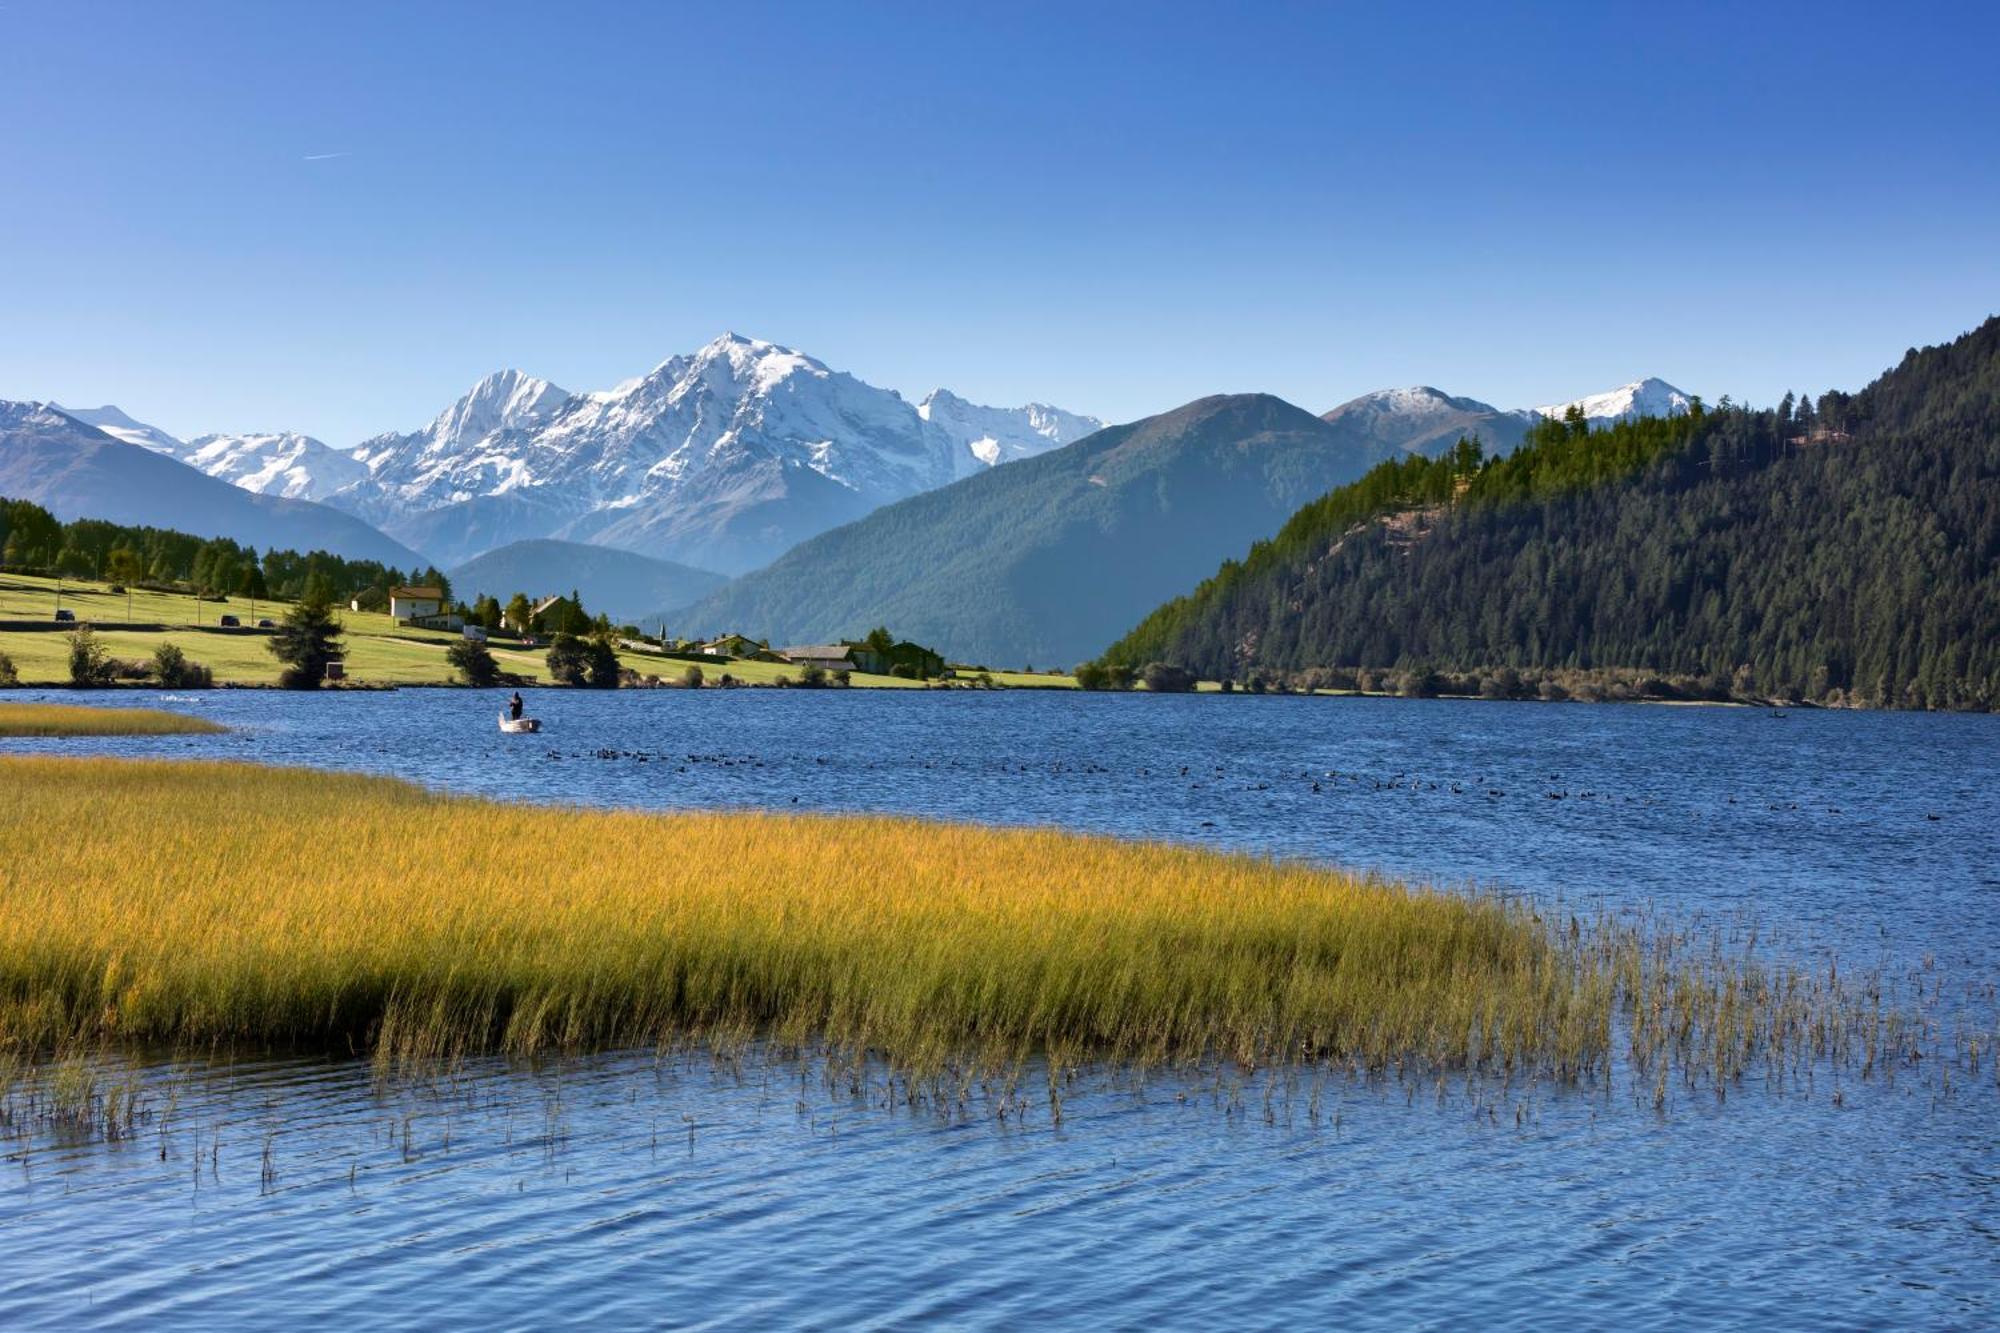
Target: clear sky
(335, 217)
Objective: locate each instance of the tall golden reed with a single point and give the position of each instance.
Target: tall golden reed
(204, 903)
(76, 720)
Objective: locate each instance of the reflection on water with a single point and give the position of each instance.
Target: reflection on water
(766, 1193)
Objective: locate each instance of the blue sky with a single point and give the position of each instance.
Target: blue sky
(334, 218)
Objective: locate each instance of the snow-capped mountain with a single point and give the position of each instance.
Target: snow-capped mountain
(118, 426)
(474, 447)
(1421, 419)
(285, 463)
(723, 458)
(989, 436)
(77, 470)
(1641, 398)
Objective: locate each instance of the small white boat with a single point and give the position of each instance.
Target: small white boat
(523, 725)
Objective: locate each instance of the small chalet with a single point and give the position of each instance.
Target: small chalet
(829, 656)
(415, 603)
(733, 645)
(424, 608)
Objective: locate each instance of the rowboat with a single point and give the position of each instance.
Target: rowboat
(522, 725)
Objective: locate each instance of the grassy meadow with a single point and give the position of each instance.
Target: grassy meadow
(205, 905)
(379, 651)
(71, 720)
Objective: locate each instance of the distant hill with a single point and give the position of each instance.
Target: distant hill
(1422, 420)
(76, 471)
(1847, 550)
(625, 586)
(1392, 422)
(1043, 560)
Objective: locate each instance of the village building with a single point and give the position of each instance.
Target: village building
(424, 608)
(827, 656)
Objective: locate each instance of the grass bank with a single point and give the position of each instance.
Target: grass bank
(72, 720)
(217, 905)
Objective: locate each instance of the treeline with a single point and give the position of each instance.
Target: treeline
(1841, 550)
(34, 540)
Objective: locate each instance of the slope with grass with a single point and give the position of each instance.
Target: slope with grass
(1042, 561)
(132, 625)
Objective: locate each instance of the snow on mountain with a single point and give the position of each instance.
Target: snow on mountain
(1641, 398)
(285, 463)
(722, 458)
(474, 447)
(1421, 419)
(76, 470)
(990, 436)
(113, 422)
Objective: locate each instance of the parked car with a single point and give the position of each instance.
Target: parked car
(266, 624)
(65, 614)
(230, 622)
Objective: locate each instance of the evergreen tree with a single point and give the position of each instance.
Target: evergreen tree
(306, 640)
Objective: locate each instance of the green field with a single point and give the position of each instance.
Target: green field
(379, 651)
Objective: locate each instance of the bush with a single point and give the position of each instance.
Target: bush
(842, 677)
(904, 671)
(812, 676)
(8, 674)
(1419, 685)
(1104, 676)
(89, 665)
(1165, 678)
(602, 664)
(473, 662)
(569, 660)
(691, 678)
(173, 670)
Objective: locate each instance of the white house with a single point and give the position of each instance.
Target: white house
(415, 603)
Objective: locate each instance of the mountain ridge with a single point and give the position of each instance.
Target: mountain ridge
(1039, 560)
(75, 470)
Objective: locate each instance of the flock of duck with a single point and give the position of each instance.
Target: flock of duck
(1197, 777)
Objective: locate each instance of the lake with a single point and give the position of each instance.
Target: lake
(637, 1191)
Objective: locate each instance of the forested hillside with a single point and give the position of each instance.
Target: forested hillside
(1843, 550)
(33, 540)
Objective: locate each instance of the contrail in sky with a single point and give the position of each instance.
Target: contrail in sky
(322, 157)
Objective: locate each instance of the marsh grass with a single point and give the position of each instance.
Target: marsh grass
(217, 907)
(77, 720)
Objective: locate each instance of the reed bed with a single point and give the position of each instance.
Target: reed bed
(77, 720)
(224, 906)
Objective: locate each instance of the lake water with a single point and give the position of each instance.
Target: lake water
(634, 1192)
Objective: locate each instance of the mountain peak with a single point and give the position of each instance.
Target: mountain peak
(503, 400)
(1649, 397)
(113, 421)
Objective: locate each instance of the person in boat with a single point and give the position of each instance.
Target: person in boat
(514, 707)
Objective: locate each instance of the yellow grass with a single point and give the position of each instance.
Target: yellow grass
(71, 720)
(219, 905)
(202, 903)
